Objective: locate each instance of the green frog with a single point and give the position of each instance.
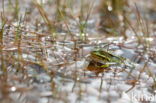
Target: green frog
(101, 60)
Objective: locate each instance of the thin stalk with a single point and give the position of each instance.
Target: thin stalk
(83, 21)
(1, 42)
(46, 19)
(16, 9)
(18, 37)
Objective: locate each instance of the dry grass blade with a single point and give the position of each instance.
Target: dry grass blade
(49, 23)
(43, 13)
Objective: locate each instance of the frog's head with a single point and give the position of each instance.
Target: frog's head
(100, 55)
(106, 56)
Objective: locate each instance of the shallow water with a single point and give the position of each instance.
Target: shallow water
(43, 66)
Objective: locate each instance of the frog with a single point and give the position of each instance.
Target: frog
(102, 60)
